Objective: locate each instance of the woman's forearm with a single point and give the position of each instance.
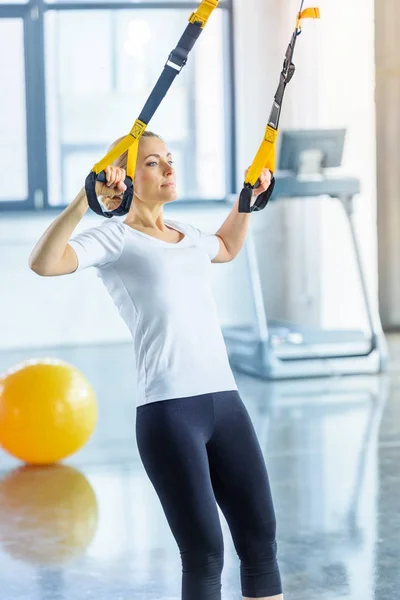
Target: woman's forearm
(233, 231)
(51, 246)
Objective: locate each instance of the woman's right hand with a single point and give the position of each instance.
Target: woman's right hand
(111, 193)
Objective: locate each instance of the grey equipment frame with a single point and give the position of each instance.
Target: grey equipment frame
(319, 353)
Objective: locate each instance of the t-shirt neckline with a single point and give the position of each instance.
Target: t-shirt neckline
(152, 237)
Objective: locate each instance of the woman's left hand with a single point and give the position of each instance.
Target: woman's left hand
(265, 182)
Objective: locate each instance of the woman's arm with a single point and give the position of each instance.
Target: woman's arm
(52, 255)
(232, 234)
(233, 231)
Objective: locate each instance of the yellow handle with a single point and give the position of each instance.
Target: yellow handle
(265, 157)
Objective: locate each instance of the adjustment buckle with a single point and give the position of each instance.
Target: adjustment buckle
(175, 61)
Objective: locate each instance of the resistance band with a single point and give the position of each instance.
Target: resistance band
(176, 61)
(265, 157)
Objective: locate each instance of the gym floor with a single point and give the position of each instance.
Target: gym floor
(93, 528)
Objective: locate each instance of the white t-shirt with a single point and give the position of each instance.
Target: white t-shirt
(163, 293)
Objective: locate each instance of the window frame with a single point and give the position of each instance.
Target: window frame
(32, 14)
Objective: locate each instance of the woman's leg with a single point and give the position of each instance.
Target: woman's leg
(171, 437)
(241, 486)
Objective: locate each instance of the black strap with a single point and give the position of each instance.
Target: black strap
(285, 76)
(261, 201)
(178, 57)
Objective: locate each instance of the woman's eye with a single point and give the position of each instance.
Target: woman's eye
(153, 162)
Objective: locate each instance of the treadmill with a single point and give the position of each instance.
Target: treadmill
(276, 349)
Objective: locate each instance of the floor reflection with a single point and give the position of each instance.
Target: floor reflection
(95, 529)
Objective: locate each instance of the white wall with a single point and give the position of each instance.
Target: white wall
(333, 86)
(347, 97)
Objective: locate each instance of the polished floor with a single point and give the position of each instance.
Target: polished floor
(93, 528)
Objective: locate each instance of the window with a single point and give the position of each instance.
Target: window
(99, 66)
(13, 2)
(13, 155)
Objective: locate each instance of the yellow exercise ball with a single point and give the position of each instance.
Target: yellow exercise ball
(49, 514)
(48, 410)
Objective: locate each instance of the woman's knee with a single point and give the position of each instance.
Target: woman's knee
(258, 551)
(206, 560)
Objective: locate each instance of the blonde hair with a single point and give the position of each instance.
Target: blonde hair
(121, 161)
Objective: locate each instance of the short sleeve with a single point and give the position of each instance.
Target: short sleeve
(208, 241)
(98, 246)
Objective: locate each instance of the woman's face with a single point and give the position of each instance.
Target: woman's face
(155, 176)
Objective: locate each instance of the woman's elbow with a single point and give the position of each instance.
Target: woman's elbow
(37, 269)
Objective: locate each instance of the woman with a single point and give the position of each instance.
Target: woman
(194, 434)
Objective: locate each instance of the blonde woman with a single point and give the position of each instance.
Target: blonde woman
(194, 434)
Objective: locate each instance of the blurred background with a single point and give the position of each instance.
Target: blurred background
(309, 309)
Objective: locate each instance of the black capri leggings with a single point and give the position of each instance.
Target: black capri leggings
(199, 450)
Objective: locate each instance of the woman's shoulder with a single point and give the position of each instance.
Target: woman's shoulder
(112, 227)
(112, 231)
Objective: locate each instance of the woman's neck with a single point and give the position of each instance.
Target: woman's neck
(143, 216)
